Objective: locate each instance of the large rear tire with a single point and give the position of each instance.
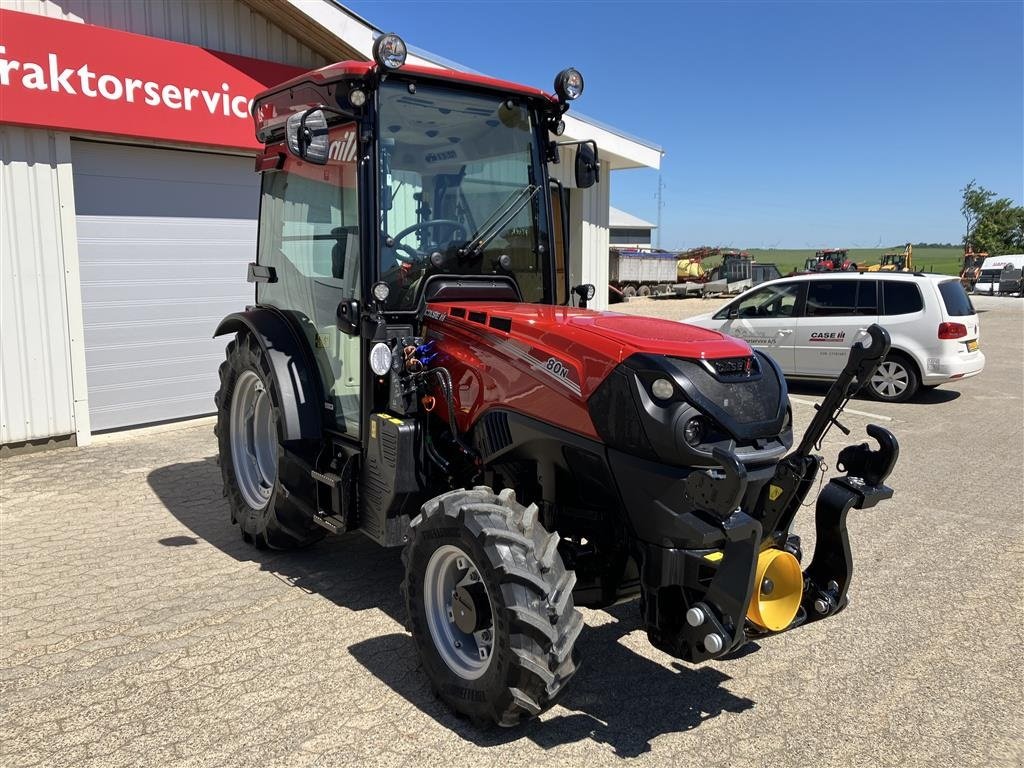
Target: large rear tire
(249, 441)
(490, 606)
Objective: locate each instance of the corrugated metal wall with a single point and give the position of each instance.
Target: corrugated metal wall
(588, 228)
(223, 25)
(42, 379)
(36, 397)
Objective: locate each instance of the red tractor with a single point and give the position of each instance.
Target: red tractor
(831, 260)
(416, 367)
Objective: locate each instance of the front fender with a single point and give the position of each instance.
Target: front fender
(295, 380)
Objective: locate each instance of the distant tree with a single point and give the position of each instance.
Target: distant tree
(994, 225)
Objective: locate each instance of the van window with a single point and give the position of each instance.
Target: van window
(958, 303)
(831, 298)
(770, 301)
(867, 297)
(900, 298)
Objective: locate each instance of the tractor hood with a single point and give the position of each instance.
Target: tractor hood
(585, 343)
(580, 370)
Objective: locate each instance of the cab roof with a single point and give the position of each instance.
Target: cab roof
(343, 70)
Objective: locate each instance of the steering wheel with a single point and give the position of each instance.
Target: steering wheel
(410, 255)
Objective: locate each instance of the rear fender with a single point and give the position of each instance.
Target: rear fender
(295, 376)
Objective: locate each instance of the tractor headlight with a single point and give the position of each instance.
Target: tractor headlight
(662, 389)
(389, 51)
(380, 358)
(569, 84)
(694, 431)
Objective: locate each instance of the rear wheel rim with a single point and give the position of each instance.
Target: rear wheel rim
(891, 379)
(467, 654)
(253, 440)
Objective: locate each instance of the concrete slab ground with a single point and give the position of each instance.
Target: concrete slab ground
(139, 629)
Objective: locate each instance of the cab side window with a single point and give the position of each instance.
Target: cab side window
(900, 298)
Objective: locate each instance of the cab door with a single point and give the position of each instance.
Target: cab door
(836, 314)
(765, 318)
(309, 234)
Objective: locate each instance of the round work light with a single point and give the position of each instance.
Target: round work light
(569, 84)
(389, 51)
(380, 358)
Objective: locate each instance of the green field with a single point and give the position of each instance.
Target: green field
(945, 261)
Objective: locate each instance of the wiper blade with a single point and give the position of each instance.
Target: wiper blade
(497, 220)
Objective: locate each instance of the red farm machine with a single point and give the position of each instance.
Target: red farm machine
(417, 368)
(831, 260)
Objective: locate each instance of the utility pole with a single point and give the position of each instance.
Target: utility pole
(661, 203)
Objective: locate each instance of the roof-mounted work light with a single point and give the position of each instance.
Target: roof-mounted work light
(389, 51)
(569, 84)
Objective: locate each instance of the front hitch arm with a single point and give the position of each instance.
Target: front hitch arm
(827, 578)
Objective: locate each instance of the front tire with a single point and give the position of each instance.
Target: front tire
(490, 606)
(249, 441)
(895, 381)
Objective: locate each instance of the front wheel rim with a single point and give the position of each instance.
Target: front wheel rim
(891, 379)
(253, 440)
(467, 654)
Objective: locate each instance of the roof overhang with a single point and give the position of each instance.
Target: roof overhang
(338, 34)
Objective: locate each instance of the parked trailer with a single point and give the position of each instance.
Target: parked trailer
(993, 270)
(641, 272)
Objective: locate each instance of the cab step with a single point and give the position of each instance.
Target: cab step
(332, 523)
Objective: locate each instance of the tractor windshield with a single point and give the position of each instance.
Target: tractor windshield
(460, 190)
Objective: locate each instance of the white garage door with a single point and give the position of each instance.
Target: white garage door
(164, 238)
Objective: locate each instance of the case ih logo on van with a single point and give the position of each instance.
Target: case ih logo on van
(834, 336)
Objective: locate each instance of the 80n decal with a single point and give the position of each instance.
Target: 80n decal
(557, 368)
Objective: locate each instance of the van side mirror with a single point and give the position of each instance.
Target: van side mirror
(348, 317)
(588, 166)
(732, 313)
(307, 136)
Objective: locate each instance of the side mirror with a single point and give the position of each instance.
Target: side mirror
(348, 317)
(732, 313)
(588, 166)
(586, 292)
(307, 136)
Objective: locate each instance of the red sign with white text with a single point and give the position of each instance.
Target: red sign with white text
(84, 78)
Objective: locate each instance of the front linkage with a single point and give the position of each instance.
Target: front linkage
(751, 586)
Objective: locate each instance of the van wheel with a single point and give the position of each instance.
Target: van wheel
(490, 606)
(249, 441)
(895, 381)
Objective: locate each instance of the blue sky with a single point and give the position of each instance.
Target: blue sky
(784, 124)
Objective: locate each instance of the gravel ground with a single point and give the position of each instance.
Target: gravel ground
(138, 629)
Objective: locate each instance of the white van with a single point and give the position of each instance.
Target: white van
(808, 323)
(995, 267)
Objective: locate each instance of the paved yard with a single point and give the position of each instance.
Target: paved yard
(138, 628)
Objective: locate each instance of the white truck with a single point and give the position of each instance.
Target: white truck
(1000, 269)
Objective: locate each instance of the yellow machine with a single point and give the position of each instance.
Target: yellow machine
(895, 262)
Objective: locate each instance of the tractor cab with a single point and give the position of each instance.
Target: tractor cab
(387, 186)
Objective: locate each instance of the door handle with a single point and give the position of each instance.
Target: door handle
(785, 331)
